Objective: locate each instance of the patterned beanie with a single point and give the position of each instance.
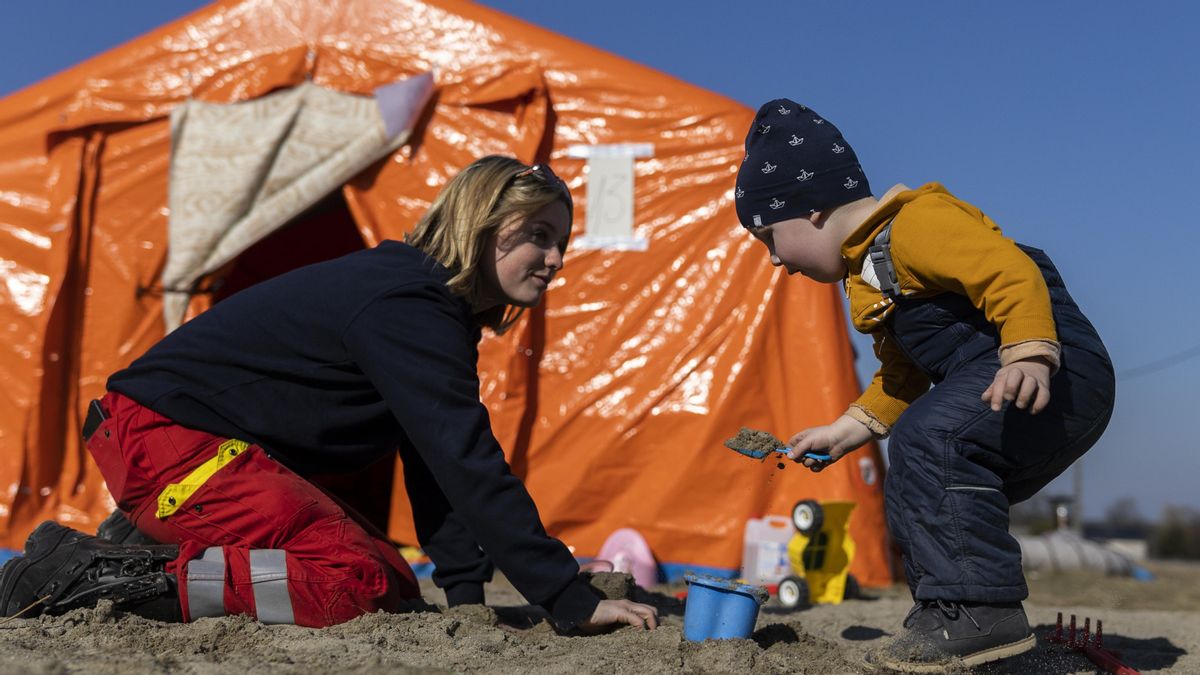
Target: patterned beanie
(796, 162)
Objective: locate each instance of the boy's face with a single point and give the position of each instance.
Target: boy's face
(800, 245)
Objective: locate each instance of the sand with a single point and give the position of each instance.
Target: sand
(753, 439)
(1156, 626)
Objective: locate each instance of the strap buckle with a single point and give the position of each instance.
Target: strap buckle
(881, 258)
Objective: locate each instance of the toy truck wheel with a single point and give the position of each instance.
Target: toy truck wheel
(808, 517)
(853, 590)
(793, 592)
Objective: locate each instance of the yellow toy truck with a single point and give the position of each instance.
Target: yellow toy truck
(819, 555)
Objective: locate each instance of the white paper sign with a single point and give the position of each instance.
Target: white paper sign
(610, 196)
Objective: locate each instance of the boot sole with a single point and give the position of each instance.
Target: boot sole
(14, 568)
(985, 656)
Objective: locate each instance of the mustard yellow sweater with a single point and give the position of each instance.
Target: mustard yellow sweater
(941, 244)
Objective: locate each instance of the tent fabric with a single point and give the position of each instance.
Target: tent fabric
(239, 171)
(611, 400)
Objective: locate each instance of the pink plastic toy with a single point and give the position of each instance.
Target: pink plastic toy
(629, 553)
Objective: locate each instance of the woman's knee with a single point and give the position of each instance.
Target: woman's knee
(366, 588)
(340, 563)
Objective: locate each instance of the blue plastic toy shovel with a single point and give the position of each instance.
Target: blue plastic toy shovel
(759, 454)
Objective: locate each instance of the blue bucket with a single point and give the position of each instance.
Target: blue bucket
(720, 609)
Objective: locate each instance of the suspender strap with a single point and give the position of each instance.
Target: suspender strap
(881, 258)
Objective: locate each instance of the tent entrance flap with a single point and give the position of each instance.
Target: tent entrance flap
(241, 171)
(323, 232)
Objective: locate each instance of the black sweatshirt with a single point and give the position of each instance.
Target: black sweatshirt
(331, 366)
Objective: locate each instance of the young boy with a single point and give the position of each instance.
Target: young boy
(1024, 385)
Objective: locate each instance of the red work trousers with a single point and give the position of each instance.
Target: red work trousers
(254, 537)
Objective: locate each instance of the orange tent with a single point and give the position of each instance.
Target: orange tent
(612, 399)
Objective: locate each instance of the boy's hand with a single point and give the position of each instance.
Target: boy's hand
(1026, 381)
(837, 439)
(610, 612)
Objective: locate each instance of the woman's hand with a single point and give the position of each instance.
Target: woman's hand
(842, 436)
(610, 612)
(1025, 380)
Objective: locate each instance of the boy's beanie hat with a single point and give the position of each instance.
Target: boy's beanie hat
(796, 162)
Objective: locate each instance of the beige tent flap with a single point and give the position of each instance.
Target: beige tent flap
(240, 171)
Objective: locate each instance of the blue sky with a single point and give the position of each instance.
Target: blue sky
(1072, 124)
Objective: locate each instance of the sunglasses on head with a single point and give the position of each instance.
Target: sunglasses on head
(544, 172)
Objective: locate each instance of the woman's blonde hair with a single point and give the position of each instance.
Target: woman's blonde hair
(472, 207)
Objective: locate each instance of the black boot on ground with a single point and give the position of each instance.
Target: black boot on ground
(942, 635)
(65, 569)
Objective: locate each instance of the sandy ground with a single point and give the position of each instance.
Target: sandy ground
(1155, 625)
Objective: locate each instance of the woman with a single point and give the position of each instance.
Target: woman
(205, 441)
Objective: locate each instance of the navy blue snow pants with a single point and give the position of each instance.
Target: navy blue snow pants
(956, 466)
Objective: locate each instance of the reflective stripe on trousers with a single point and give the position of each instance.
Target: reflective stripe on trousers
(268, 576)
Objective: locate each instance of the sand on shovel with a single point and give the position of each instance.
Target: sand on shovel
(753, 439)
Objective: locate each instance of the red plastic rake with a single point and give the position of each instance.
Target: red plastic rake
(1091, 646)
